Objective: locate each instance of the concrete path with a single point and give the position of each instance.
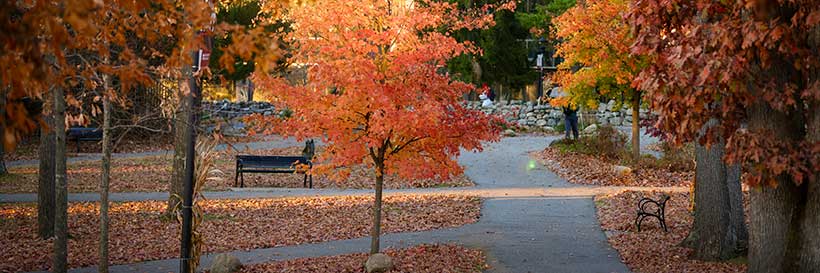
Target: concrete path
(532, 220)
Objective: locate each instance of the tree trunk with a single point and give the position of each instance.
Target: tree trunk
(106, 176)
(809, 252)
(719, 229)
(178, 168)
(3, 169)
(377, 209)
(776, 211)
(784, 220)
(45, 186)
(636, 129)
(810, 249)
(61, 190)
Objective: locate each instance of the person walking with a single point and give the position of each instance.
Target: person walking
(571, 120)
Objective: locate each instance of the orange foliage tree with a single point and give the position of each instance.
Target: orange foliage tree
(753, 66)
(57, 44)
(376, 94)
(597, 38)
(55, 48)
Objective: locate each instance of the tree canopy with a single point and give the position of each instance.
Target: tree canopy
(376, 92)
(598, 62)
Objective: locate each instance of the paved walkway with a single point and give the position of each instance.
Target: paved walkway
(532, 220)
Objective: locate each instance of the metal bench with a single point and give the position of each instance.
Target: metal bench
(648, 207)
(79, 134)
(276, 164)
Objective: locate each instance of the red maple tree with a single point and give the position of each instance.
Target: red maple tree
(751, 65)
(376, 93)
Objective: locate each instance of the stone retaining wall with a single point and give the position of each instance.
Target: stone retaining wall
(229, 110)
(524, 114)
(532, 116)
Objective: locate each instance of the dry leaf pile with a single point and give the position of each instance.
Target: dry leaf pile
(653, 250)
(423, 258)
(152, 174)
(139, 232)
(589, 170)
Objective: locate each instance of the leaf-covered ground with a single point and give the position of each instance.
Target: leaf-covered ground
(590, 170)
(423, 258)
(28, 149)
(152, 173)
(653, 250)
(139, 232)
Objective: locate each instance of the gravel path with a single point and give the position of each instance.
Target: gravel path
(532, 220)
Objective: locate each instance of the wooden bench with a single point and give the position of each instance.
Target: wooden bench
(276, 164)
(652, 208)
(79, 134)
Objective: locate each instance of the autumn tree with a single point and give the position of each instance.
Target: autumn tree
(597, 38)
(376, 95)
(751, 65)
(58, 48)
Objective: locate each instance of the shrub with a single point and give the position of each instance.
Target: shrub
(606, 142)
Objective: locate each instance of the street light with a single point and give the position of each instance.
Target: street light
(540, 60)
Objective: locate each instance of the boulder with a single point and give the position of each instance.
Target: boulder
(591, 129)
(610, 106)
(548, 129)
(541, 123)
(225, 263)
(522, 122)
(509, 133)
(622, 170)
(378, 263)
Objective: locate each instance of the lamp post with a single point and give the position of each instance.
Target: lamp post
(540, 60)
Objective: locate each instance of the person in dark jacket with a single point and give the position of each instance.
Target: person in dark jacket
(570, 120)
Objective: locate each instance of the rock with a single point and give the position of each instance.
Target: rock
(548, 129)
(591, 129)
(552, 122)
(610, 106)
(622, 170)
(509, 133)
(225, 263)
(615, 121)
(541, 123)
(378, 263)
